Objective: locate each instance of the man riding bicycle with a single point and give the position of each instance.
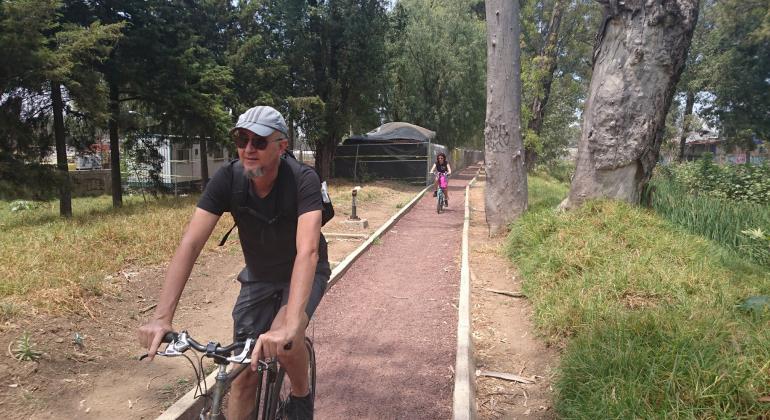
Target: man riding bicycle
(277, 204)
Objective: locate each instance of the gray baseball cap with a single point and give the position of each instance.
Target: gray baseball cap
(262, 120)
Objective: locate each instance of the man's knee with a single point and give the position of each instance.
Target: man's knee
(245, 383)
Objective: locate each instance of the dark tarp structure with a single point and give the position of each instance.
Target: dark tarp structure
(395, 150)
(393, 132)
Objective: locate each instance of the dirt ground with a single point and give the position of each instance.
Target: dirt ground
(503, 335)
(364, 370)
(102, 378)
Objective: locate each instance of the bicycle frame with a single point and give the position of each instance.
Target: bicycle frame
(223, 381)
(442, 184)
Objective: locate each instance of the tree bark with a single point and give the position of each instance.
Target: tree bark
(65, 191)
(204, 151)
(506, 190)
(639, 55)
(547, 65)
(324, 157)
(114, 106)
(689, 102)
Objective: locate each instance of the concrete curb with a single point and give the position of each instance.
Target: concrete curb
(464, 398)
(188, 407)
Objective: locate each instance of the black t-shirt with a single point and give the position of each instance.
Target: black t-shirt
(443, 168)
(267, 227)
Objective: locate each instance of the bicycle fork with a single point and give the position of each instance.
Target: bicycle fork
(219, 393)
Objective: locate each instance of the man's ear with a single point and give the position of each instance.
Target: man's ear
(283, 144)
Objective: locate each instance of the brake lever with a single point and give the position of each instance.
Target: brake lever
(173, 349)
(245, 356)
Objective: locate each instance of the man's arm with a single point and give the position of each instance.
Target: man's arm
(308, 234)
(197, 233)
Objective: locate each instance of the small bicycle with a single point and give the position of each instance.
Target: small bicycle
(272, 388)
(441, 200)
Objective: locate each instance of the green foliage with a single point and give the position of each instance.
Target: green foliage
(723, 221)
(648, 313)
(734, 68)
(568, 89)
(40, 45)
(559, 170)
(744, 183)
(436, 69)
(25, 349)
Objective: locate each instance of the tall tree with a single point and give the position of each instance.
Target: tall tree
(737, 76)
(347, 60)
(545, 65)
(556, 69)
(639, 55)
(49, 55)
(78, 50)
(506, 192)
(24, 135)
(436, 69)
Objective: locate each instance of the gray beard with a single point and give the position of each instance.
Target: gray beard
(253, 173)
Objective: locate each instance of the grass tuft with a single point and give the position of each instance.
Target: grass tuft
(25, 349)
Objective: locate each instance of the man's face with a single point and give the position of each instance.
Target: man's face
(259, 154)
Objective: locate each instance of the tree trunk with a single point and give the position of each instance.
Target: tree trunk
(324, 156)
(117, 191)
(547, 65)
(204, 151)
(65, 191)
(639, 55)
(506, 189)
(690, 101)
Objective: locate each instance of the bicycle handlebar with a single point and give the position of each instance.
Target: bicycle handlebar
(179, 343)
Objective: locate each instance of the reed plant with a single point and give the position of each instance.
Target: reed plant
(727, 222)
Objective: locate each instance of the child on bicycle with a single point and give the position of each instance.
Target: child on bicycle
(441, 166)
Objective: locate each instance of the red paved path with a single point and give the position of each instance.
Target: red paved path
(385, 334)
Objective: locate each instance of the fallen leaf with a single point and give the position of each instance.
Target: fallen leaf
(766, 398)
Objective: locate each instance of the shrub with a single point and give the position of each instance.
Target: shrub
(745, 183)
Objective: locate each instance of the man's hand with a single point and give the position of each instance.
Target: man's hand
(273, 344)
(151, 334)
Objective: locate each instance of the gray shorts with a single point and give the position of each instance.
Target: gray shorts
(259, 302)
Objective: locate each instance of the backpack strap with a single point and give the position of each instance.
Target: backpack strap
(327, 211)
(238, 197)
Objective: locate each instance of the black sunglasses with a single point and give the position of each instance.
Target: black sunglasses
(242, 139)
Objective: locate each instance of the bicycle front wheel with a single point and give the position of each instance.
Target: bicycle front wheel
(282, 385)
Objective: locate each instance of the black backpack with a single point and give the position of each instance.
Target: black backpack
(240, 194)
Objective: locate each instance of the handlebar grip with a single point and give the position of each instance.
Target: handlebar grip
(170, 337)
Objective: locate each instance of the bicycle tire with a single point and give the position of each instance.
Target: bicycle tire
(439, 201)
(281, 388)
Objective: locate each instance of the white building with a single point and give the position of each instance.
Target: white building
(181, 168)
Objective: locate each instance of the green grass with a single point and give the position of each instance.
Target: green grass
(646, 313)
(720, 220)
